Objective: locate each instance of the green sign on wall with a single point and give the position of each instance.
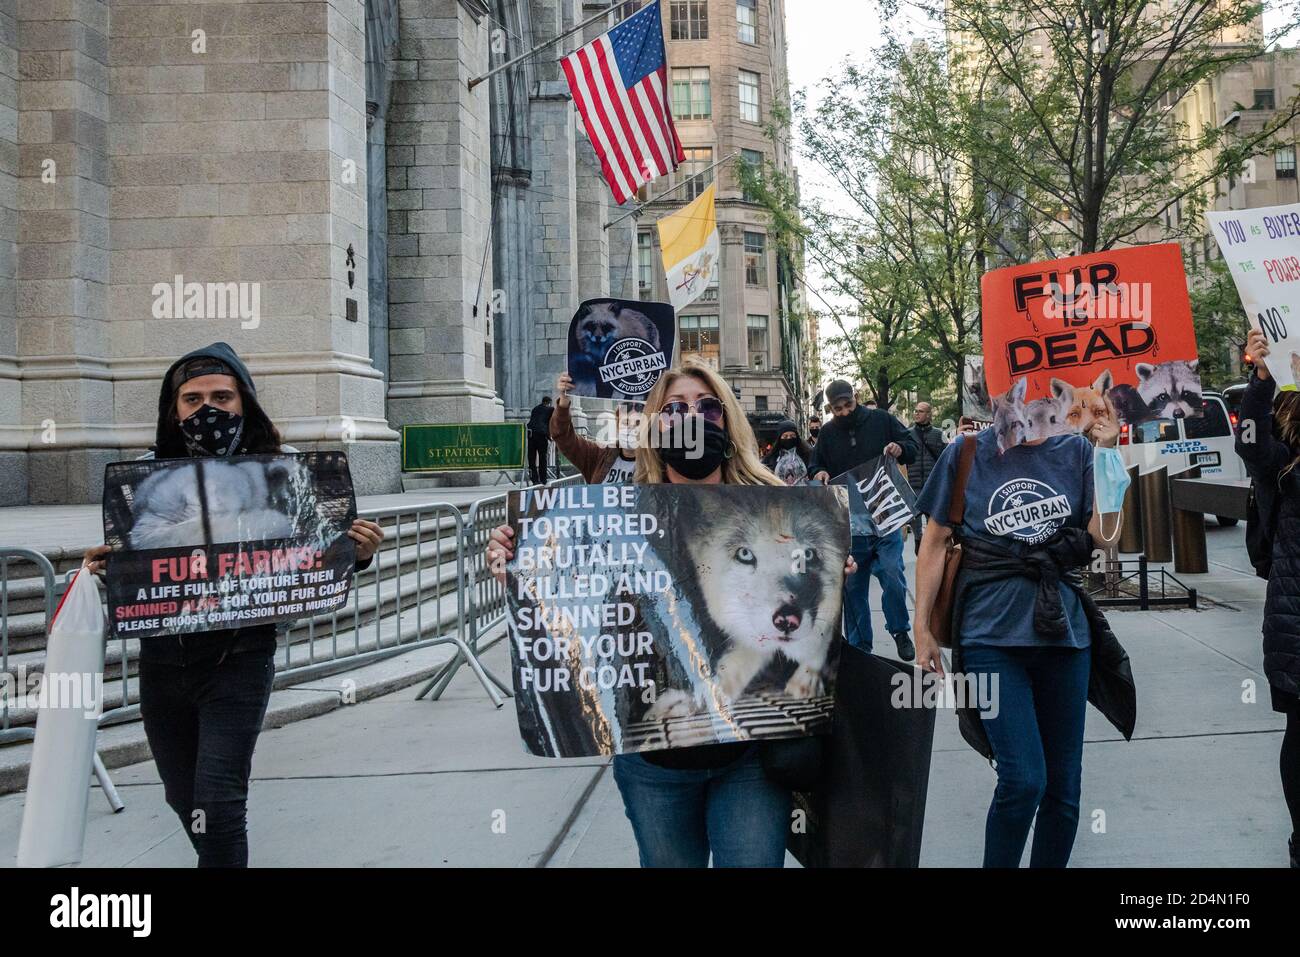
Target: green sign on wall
(466, 445)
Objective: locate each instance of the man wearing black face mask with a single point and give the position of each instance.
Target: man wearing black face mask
(855, 435)
(814, 429)
(203, 696)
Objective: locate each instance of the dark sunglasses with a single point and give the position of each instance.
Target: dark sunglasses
(707, 406)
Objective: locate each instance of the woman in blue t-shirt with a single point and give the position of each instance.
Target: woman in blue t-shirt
(1019, 505)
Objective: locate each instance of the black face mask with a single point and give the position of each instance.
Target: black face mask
(697, 462)
(786, 443)
(212, 431)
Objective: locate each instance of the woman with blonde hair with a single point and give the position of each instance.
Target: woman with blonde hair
(688, 803)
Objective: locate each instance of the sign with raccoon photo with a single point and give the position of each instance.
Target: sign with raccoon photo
(1262, 250)
(618, 349)
(207, 544)
(648, 617)
(881, 500)
(1072, 340)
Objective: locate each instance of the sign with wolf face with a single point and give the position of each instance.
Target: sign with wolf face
(1262, 250)
(1106, 335)
(881, 500)
(618, 349)
(208, 544)
(648, 617)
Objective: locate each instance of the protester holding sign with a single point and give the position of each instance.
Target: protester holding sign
(790, 455)
(203, 696)
(1022, 622)
(597, 464)
(1268, 441)
(853, 436)
(689, 803)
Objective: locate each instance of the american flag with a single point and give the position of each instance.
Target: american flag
(619, 83)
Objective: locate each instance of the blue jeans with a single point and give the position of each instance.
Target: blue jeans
(882, 557)
(678, 817)
(1037, 741)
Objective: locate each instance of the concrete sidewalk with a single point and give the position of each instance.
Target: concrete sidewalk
(395, 781)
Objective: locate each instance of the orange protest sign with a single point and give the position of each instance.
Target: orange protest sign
(1106, 333)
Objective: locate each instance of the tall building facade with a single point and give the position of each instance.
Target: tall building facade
(727, 66)
(332, 187)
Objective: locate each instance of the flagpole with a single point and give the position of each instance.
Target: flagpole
(637, 211)
(542, 46)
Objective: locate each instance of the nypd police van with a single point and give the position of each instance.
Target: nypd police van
(1204, 440)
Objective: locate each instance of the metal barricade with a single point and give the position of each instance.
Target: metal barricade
(13, 683)
(485, 596)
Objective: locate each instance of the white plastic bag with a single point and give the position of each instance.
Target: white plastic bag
(71, 700)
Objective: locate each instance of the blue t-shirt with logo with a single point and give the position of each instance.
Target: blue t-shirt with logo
(1024, 495)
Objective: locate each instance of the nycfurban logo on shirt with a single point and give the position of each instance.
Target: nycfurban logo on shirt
(1028, 510)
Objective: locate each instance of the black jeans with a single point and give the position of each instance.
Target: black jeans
(202, 720)
(538, 449)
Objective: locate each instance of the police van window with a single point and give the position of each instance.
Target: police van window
(1212, 425)
(1155, 430)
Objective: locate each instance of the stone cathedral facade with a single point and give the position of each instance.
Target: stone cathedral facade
(314, 182)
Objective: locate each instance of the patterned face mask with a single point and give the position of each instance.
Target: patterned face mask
(212, 431)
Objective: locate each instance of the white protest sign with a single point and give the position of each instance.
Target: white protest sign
(1262, 250)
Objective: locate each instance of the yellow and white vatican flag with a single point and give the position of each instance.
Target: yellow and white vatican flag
(689, 240)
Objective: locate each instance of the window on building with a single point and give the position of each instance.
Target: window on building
(755, 259)
(696, 172)
(756, 330)
(749, 107)
(1264, 100)
(689, 19)
(754, 160)
(645, 277)
(747, 20)
(1284, 163)
(760, 403)
(692, 98)
(698, 336)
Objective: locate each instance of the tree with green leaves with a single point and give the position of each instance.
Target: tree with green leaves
(1089, 89)
(1221, 325)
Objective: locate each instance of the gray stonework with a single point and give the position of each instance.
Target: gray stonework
(250, 160)
(440, 276)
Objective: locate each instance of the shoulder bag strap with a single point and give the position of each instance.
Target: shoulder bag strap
(957, 504)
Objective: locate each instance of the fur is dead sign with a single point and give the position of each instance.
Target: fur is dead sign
(1072, 340)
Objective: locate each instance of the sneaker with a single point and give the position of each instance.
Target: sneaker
(906, 650)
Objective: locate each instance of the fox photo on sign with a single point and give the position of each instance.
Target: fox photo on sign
(1072, 340)
(206, 544)
(1262, 250)
(619, 349)
(647, 617)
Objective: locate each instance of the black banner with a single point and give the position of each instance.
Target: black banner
(880, 499)
(205, 544)
(646, 617)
